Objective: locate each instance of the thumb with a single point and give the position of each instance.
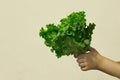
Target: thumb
(92, 49)
(76, 55)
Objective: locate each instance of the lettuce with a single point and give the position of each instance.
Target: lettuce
(71, 36)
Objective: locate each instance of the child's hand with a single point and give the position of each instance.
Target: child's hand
(88, 60)
(93, 60)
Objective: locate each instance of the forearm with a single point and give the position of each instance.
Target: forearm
(118, 62)
(110, 67)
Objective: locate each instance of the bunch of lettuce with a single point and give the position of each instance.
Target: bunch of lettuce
(71, 36)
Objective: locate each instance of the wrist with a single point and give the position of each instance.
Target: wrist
(100, 61)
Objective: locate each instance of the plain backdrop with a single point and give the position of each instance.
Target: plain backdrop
(23, 55)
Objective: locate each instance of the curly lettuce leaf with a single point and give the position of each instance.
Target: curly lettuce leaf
(71, 36)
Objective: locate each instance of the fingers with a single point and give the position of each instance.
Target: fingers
(85, 68)
(83, 63)
(80, 60)
(87, 61)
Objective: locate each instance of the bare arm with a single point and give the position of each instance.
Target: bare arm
(94, 60)
(109, 66)
(119, 62)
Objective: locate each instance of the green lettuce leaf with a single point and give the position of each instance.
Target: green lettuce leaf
(71, 36)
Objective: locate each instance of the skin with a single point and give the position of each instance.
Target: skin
(94, 61)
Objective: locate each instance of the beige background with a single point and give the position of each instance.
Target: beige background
(23, 56)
